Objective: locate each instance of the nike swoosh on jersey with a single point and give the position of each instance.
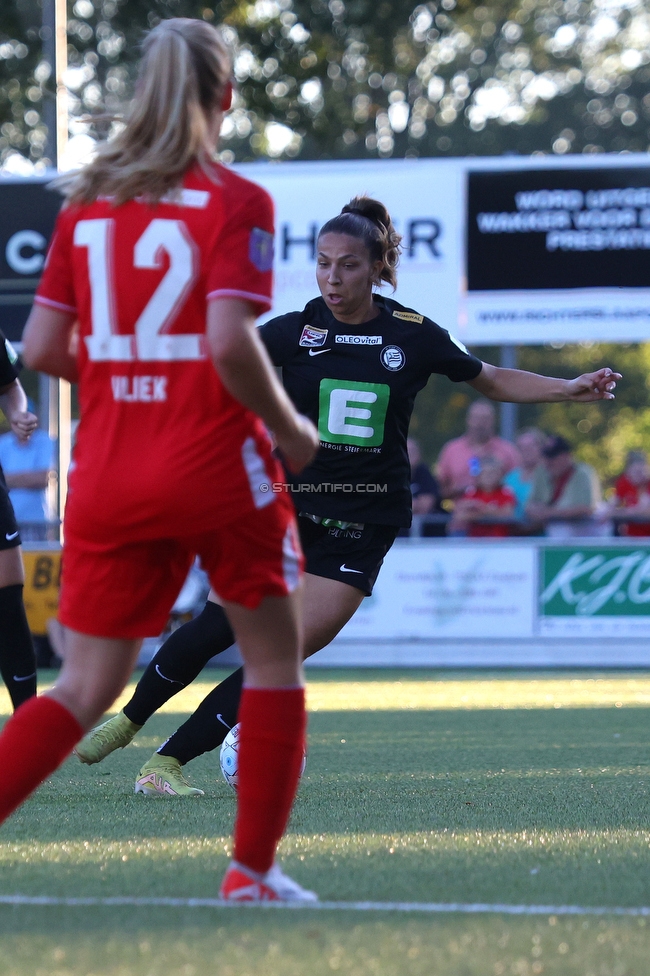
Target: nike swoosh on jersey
(10, 535)
(344, 569)
(318, 352)
(26, 678)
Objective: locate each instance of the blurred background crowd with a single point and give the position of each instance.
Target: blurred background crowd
(480, 485)
(485, 486)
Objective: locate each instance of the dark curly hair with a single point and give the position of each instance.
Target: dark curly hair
(369, 221)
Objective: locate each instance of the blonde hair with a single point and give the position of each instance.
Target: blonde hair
(369, 221)
(182, 79)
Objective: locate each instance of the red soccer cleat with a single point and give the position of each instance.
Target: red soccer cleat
(240, 884)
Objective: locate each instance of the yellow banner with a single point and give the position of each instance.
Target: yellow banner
(41, 594)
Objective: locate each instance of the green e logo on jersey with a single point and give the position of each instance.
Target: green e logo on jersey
(352, 413)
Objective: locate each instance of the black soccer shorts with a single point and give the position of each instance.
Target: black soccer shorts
(9, 534)
(353, 554)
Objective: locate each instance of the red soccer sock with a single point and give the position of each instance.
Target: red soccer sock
(271, 748)
(34, 742)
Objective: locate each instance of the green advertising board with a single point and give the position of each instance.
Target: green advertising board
(587, 582)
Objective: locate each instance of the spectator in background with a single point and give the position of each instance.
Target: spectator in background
(530, 444)
(425, 491)
(27, 465)
(632, 493)
(565, 494)
(487, 499)
(459, 461)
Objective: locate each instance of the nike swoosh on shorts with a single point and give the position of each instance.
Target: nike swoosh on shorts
(344, 569)
(318, 352)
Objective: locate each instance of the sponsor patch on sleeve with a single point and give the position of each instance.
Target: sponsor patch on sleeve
(408, 316)
(260, 249)
(312, 336)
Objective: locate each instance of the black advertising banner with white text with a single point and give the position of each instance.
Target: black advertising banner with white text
(537, 229)
(28, 210)
(558, 253)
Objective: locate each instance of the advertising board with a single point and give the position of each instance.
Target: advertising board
(42, 582)
(514, 250)
(28, 211)
(435, 592)
(459, 602)
(594, 591)
(424, 199)
(558, 253)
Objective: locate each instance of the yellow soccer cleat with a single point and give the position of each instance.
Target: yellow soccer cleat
(163, 776)
(105, 739)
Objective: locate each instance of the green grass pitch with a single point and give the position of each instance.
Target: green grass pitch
(420, 786)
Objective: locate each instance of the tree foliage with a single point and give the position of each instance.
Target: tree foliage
(365, 78)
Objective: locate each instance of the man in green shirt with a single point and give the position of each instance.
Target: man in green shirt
(565, 494)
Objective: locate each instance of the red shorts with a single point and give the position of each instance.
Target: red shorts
(127, 591)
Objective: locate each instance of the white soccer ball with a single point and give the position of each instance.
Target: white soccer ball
(229, 757)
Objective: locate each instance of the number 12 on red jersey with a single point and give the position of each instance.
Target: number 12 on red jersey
(150, 341)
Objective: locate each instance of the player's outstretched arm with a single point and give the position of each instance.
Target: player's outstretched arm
(246, 371)
(518, 386)
(47, 341)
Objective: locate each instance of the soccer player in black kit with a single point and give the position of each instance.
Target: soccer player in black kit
(17, 660)
(352, 361)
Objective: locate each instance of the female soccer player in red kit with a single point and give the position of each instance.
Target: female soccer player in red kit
(164, 259)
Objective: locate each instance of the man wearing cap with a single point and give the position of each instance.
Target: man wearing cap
(565, 493)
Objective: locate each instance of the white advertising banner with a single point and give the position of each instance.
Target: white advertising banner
(430, 592)
(424, 199)
(519, 251)
(498, 250)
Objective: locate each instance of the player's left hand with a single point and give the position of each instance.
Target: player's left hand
(594, 386)
(24, 424)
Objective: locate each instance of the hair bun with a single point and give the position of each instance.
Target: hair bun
(370, 221)
(372, 210)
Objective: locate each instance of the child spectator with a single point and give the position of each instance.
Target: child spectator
(530, 444)
(487, 498)
(460, 459)
(632, 492)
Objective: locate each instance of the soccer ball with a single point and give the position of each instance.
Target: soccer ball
(229, 757)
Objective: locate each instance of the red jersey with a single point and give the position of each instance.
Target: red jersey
(627, 496)
(158, 428)
(501, 497)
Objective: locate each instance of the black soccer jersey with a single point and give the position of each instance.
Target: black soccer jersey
(9, 537)
(8, 362)
(358, 383)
